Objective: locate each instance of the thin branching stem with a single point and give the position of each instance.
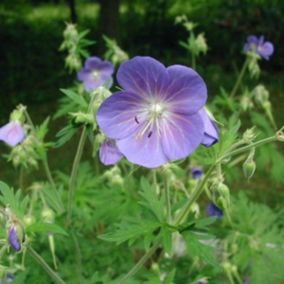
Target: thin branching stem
(53, 275)
(195, 195)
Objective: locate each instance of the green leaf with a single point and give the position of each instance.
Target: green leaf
(46, 228)
(131, 231)
(197, 248)
(53, 199)
(65, 134)
(167, 239)
(79, 100)
(170, 277)
(15, 201)
(151, 200)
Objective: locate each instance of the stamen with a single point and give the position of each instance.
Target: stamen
(150, 134)
(136, 120)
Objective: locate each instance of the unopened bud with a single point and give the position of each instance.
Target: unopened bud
(249, 167)
(47, 215)
(16, 236)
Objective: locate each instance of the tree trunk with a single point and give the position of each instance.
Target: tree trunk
(109, 17)
(73, 13)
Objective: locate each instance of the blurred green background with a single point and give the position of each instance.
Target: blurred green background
(32, 67)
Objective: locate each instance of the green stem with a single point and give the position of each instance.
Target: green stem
(140, 263)
(240, 77)
(248, 147)
(44, 161)
(168, 201)
(53, 275)
(193, 61)
(196, 193)
(74, 173)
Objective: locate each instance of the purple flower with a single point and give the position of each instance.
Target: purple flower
(109, 153)
(13, 239)
(12, 133)
(246, 282)
(263, 48)
(214, 211)
(159, 116)
(95, 73)
(196, 172)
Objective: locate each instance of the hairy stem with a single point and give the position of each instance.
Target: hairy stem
(140, 263)
(44, 160)
(74, 173)
(53, 275)
(240, 78)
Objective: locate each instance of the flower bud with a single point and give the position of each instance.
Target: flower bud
(16, 236)
(29, 220)
(249, 167)
(196, 172)
(260, 94)
(201, 45)
(81, 117)
(47, 215)
(18, 114)
(214, 211)
(280, 135)
(249, 135)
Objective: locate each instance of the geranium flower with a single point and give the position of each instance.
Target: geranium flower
(257, 44)
(159, 116)
(109, 153)
(214, 211)
(12, 133)
(95, 73)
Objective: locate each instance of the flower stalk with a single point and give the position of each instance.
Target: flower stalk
(53, 275)
(240, 78)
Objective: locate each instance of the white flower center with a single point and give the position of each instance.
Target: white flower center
(96, 75)
(154, 113)
(156, 109)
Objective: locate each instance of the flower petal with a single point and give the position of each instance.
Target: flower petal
(117, 116)
(142, 76)
(109, 153)
(252, 39)
(144, 150)
(211, 135)
(186, 92)
(266, 50)
(181, 135)
(12, 133)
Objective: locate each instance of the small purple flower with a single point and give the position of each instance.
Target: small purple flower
(159, 115)
(109, 153)
(257, 44)
(214, 211)
(14, 239)
(95, 73)
(196, 172)
(12, 133)
(246, 281)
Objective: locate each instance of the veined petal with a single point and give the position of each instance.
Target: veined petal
(109, 153)
(186, 92)
(143, 76)
(181, 135)
(211, 135)
(144, 150)
(117, 116)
